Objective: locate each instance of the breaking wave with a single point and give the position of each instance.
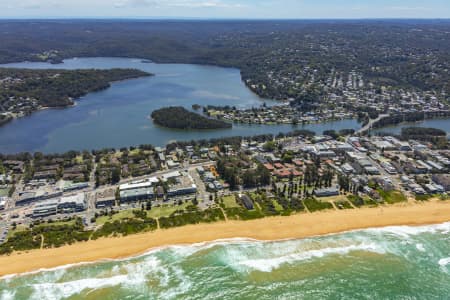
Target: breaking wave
(176, 271)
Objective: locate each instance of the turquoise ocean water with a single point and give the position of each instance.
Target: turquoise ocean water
(384, 263)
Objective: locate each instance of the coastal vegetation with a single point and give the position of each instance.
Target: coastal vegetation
(138, 222)
(315, 205)
(23, 91)
(180, 118)
(191, 215)
(46, 236)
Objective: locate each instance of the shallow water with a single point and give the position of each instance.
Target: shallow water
(386, 263)
(440, 123)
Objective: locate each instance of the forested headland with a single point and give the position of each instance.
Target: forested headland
(54, 88)
(23, 91)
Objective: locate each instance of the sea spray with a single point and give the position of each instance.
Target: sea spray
(380, 263)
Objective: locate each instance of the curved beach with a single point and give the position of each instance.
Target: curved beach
(275, 228)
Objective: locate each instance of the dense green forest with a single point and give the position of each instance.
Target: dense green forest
(277, 59)
(422, 131)
(180, 118)
(437, 137)
(56, 88)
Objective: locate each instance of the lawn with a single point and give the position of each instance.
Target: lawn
(57, 223)
(166, 210)
(118, 216)
(4, 192)
(314, 205)
(19, 228)
(358, 201)
(333, 198)
(392, 197)
(230, 201)
(343, 204)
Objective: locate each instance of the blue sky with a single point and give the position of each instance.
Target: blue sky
(297, 9)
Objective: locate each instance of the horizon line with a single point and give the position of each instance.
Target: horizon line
(174, 18)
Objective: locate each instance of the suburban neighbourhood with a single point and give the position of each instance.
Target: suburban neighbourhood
(239, 177)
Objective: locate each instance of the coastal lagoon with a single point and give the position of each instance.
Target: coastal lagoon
(119, 116)
(440, 123)
(399, 262)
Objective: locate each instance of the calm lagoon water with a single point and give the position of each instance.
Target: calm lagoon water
(443, 124)
(119, 116)
(385, 263)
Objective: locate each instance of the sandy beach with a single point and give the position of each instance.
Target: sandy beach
(275, 228)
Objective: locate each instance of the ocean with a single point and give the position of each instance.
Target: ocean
(398, 262)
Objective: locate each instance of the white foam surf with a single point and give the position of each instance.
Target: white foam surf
(407, 231)
(185, 250)
(269, 264)
(444, 261)
(131, 276)
(7, 295)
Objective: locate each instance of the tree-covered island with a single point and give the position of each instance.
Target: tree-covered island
(180, 118)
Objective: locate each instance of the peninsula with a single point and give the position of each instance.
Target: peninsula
(180, 118)
(23, 91)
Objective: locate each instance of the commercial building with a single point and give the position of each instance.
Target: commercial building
(68, 204)
(45, 208)
(33, 196)
(71, 204)
(139, 184)
(182, 190)
(135, 195)
(70, 186)
(106, 198)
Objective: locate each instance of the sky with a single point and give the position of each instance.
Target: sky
(234, 9)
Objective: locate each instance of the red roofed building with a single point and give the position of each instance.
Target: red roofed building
(282, 173)
(297, 173)
(269, 167)
(298, 163)
(289, 166)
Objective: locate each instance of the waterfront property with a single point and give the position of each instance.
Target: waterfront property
(89, 124)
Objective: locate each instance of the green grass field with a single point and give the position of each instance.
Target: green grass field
(230, 201)
(392, 197)
(118, 216)
(4, 192)
(358, 201)
(343, 204)
(156, 212)
(166, 210)
(314, 205)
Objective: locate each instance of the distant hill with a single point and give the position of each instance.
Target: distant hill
(180, 118)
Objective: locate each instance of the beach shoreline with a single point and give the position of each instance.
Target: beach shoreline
(297, 226)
